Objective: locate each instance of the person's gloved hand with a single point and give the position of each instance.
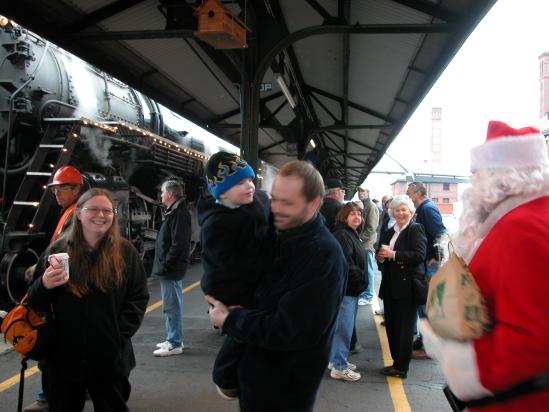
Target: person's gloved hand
(457, 361)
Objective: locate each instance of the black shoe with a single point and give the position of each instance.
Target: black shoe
(357, 349)
(418, 343)
(390, 371)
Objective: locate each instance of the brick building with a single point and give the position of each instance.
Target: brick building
(441, 189)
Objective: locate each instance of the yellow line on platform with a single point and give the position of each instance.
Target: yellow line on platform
(8, 383)
(396, 388)
(14, 380)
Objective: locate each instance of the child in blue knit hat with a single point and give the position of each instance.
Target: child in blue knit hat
(236, 244)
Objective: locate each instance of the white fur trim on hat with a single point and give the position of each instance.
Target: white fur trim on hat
(510, 152)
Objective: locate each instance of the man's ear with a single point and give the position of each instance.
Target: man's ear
(317, 202)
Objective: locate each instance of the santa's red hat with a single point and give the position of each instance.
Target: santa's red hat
(506, 147)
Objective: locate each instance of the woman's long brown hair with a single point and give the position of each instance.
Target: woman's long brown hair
(101, 268)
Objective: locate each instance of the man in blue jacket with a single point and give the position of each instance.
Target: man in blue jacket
(429, 216)
(171, 258)
(289, 331)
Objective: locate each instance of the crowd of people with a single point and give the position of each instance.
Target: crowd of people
(284, 276)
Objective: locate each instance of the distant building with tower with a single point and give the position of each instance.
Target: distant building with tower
(436, 138)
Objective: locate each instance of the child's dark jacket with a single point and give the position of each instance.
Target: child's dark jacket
(236, 248)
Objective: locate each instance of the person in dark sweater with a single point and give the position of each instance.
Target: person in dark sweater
(288, 332)
(236, 248)
(347, 222)
(96, 310)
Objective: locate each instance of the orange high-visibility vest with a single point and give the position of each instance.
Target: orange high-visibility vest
(65, 217)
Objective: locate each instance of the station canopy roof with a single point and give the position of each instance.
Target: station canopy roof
(355, 69)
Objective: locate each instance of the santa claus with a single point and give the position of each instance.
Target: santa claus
(503, 236)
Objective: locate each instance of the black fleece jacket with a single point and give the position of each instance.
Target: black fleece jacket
(173, 243)
(356, 258)
(237, 247)
(93, 333)
(289, 332)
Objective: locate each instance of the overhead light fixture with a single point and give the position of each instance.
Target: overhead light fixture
(312, 143)
(280, 80)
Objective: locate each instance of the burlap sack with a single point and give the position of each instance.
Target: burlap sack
(455, 306)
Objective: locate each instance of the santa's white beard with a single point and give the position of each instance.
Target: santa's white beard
(489, 189)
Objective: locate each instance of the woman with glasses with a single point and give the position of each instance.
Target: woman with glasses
(97, 307)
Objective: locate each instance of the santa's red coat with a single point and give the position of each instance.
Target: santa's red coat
(511, 267)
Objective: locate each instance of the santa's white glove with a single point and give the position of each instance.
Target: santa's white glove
(457, 361)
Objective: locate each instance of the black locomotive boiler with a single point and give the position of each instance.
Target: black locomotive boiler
(57, 110)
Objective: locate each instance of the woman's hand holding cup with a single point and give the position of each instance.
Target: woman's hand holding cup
(54, 276)
(385, 252)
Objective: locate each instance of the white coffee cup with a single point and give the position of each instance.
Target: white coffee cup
(58, 259)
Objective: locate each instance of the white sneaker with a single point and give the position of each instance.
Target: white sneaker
(350, 366)
(168, 350)
(364, 302)
(159, 345)
(346, 375)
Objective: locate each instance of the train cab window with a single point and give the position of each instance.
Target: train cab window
(446, 186)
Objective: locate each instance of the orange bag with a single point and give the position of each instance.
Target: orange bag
(20, 328)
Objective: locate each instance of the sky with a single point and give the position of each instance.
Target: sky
(494, 76)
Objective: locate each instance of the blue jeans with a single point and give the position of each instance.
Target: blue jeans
(369, 293)
(339, 353)
(172, 302)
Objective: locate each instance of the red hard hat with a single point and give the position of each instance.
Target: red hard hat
(67, 175)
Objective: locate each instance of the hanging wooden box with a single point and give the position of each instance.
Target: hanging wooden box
(219, 28)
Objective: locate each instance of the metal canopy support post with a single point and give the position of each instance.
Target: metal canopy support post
(249, 96)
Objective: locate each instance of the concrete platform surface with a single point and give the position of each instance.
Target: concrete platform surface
(183, 382)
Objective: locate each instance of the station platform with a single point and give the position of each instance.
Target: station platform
(183, 382)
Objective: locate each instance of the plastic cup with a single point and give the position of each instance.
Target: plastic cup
(59, 259)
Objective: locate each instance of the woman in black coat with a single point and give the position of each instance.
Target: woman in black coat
(348, 220)
(97, 306)
(402, 253)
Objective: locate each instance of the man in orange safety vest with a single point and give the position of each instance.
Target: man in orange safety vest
(66, 185)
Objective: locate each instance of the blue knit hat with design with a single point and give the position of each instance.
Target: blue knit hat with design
(224, 170)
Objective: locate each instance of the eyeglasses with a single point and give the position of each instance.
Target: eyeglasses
(61, 188)
(97, 210)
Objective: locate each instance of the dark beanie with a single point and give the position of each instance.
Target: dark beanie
(224, 170)
(333, 183)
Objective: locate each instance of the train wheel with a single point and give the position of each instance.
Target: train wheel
(13, 284)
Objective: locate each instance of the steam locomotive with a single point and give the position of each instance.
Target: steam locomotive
(57, 110)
